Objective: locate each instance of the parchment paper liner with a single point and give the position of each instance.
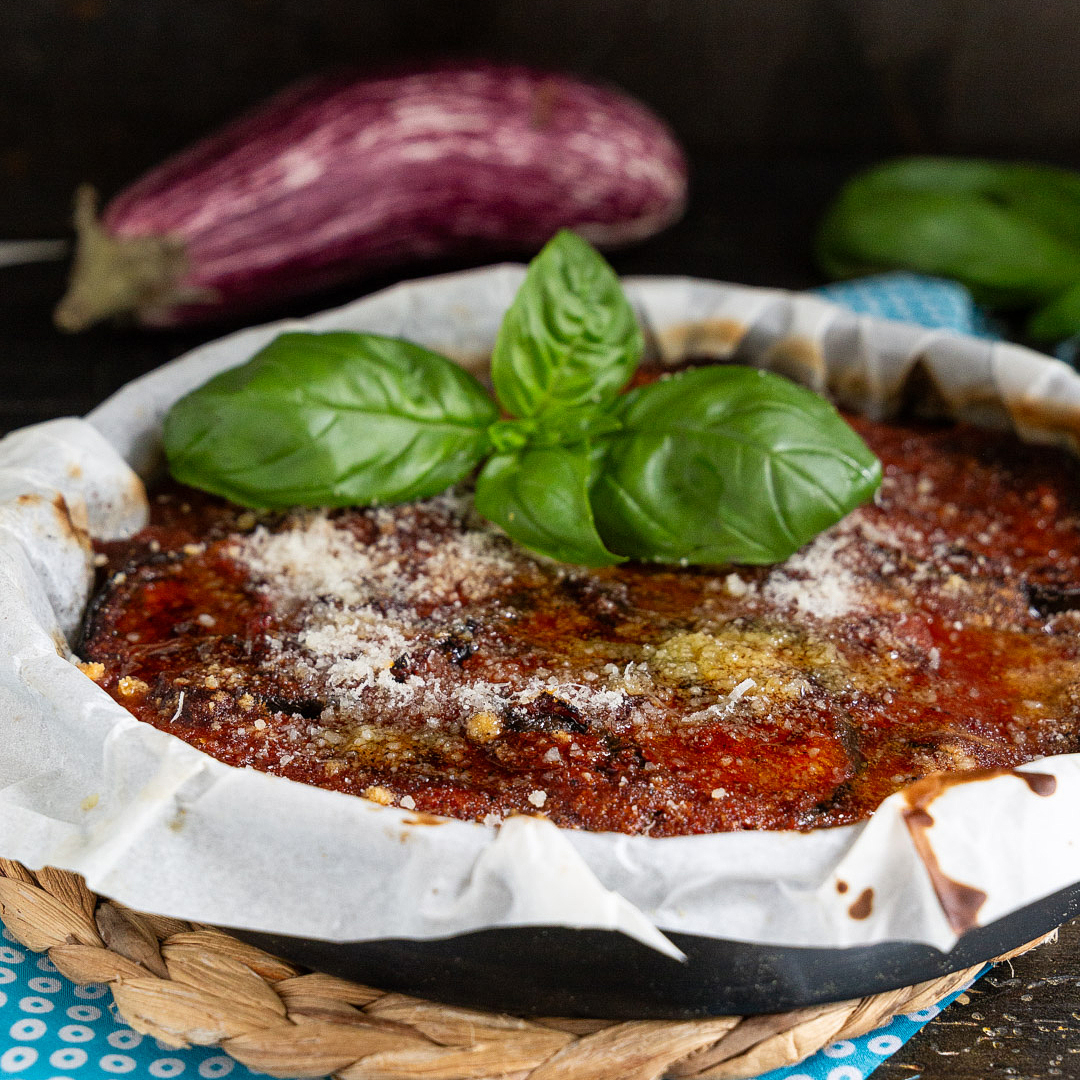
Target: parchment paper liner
(158, 825)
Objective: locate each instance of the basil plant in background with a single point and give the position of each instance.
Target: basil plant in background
(714, 465)
(1009, 232)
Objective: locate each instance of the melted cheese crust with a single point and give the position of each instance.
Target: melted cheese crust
(414, 655)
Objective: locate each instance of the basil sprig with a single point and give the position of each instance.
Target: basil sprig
(718, 464)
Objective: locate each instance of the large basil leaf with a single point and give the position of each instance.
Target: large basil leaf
(569, 337)
(1011, 233)
(727, 464)
(540, 496)
(331, 420)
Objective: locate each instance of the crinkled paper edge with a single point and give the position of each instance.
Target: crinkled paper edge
(158, 825)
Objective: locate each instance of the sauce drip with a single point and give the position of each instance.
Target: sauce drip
(960, 902)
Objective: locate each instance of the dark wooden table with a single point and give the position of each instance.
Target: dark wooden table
(749, 221)
(1020, 1021)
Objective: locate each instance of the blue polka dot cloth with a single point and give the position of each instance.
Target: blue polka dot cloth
(928, 301)
(913, 298)
(51, 1029)
(856, 1059)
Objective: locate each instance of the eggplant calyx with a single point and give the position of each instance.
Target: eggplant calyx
(113, 275)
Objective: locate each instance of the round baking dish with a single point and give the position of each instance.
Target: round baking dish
(153, 823)
(554, 971)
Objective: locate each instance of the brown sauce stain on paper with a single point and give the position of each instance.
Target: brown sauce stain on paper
(863, 906)
(1048, 416)
(1039, 783)
(716, 339)
(923, 792)
(960, 902)
(801, 360)
(66, 522)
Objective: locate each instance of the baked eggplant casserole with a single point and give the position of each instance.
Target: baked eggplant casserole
(415, 656)
(626, 597)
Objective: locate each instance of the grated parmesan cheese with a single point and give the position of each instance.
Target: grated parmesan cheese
(818, 581)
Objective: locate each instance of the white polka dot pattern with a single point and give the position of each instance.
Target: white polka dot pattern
(165, 1067)
(76, 1033)
(71, 1058)
(17, 1059)
(35, 1005)
(117, 1063)
(840, 1049)
(53, 1030)
(86, 1013)
(124, 1039)
(214, 1067)
(884, 1044)
(845, 1072)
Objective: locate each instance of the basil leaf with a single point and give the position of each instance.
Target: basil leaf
(331, 419)
(540, 497)
(727, 464)
(1011, 233)
(569, 337)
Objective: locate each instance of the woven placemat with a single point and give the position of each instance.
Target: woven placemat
(188, 984)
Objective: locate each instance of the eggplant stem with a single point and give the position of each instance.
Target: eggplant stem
(113, 276)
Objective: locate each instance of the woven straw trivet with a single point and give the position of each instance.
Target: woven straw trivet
(185, 983)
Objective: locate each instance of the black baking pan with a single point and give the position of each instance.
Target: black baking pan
(554, 971)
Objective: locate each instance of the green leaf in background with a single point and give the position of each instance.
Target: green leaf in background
(1009, 232)
(331, 419)
(540, 497)
(1058, 319)
(727, 464)
(570, 336)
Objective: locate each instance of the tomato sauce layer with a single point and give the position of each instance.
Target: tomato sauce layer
(413, 655)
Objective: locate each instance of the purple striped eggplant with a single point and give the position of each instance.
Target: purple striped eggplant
(338, 176)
